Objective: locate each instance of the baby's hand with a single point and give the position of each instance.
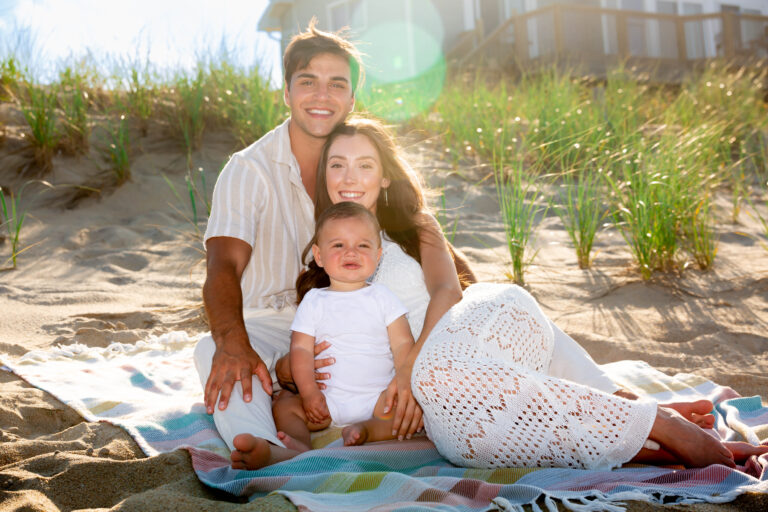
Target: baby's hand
(315, 407)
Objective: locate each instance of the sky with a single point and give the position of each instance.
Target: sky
(172, 33)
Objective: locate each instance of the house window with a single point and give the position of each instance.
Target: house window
(347, 13)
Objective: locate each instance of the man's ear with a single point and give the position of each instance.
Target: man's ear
(316, 255)
(285, 95)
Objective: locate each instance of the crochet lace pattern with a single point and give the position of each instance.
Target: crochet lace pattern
(481, 380)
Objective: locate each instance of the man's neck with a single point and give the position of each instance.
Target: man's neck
(307, 151)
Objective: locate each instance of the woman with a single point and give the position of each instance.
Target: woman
(489, 369)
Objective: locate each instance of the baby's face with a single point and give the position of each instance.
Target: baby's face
(348, 250)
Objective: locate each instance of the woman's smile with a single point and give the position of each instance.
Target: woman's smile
(354, 172)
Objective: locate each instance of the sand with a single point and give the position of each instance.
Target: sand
(126, 263)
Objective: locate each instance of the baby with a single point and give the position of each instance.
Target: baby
(365, 324)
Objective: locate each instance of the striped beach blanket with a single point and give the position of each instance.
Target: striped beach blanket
(151, 389)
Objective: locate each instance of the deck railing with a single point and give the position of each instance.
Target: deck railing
(596, 39)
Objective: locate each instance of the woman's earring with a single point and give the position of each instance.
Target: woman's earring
(386, 198)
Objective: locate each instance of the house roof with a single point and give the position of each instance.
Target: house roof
(271, 19)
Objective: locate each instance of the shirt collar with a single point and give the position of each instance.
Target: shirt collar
(282, 153)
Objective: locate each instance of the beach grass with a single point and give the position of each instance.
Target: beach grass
(198, 197)
(141, 95)
(38, 105)
(10, 78)
(661, 152)
(242, 101)
(519, 197)
(117, 149)
(74, 101)
(13, 220)
(581, 210)
(185, 106)
(651, 157)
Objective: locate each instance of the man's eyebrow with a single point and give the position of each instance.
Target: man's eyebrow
(307, 74)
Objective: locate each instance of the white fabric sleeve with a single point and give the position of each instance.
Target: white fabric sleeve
(304, 321)
(570, 361)
(235, 206)
(389, 304)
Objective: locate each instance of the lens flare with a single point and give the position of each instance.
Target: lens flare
(405, 66)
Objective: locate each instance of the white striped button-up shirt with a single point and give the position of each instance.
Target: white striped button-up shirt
(260, 199)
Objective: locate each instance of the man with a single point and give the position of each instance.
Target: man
(262, 218)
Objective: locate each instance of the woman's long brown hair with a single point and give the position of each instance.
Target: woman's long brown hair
(398, 213)
(314, 276)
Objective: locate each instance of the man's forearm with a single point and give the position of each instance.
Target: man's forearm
(223, 300)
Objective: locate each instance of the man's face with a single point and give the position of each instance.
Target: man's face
(320, 95)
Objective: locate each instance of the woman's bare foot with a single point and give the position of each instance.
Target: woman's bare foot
(698, 412)
(354, 435)
(292, 444)
(742, 451)
(687, 441)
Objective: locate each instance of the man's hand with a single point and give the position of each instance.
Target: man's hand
(315, 407)
(231, 365)
(408, 414)
(283, 369)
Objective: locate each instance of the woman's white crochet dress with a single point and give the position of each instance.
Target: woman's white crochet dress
(482, 380)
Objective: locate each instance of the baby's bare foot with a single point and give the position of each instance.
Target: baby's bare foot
(250, 452)
(293, 444)
(354, 435)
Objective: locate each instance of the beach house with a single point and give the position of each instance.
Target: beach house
(664, 34)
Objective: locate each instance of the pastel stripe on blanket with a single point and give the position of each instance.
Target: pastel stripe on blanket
(152, 390)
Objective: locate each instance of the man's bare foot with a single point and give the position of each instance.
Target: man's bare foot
(687, 441)
(698, 412)
(250, 452)
(253, 452)
(742, 451)
(293, 444)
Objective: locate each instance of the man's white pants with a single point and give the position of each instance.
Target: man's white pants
(270, 336)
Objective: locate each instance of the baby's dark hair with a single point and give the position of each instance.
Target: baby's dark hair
(314, 276)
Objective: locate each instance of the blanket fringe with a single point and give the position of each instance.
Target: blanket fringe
(595, 502)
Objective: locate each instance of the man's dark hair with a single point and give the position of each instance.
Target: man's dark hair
(312, 42)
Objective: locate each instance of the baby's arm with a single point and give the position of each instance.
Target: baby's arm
(303, 370)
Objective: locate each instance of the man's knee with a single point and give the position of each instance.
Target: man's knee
(203, 356)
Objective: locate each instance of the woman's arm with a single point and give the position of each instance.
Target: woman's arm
(407, 418)
(439, 275)
(444, 291)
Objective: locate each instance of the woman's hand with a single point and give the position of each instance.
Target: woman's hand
(408, 414)
(283, 369)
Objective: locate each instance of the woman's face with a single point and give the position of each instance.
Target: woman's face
(353, 171)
